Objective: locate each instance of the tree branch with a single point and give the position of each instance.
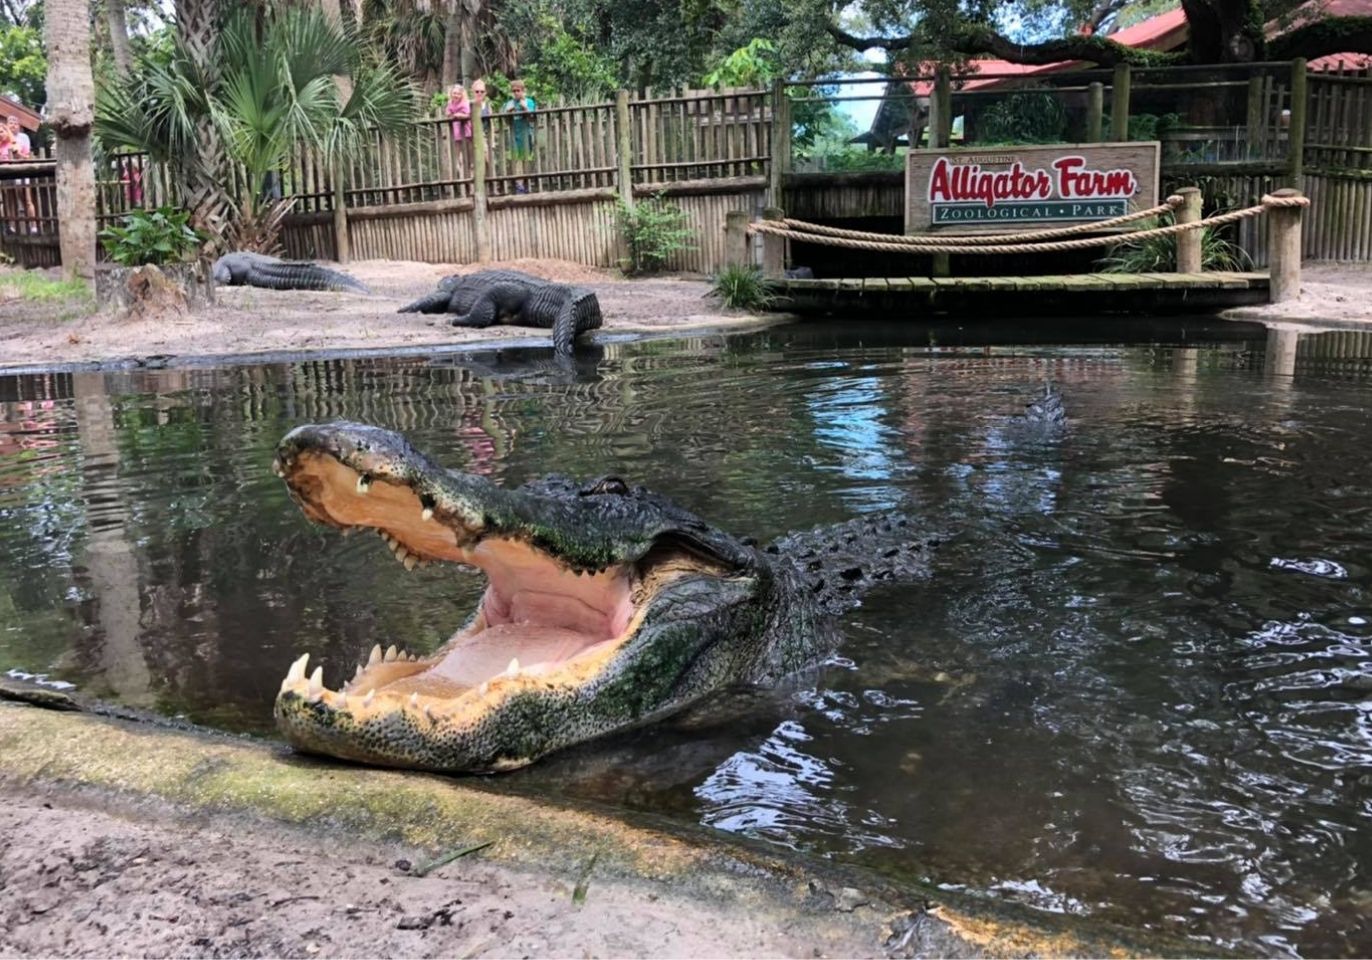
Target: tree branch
(1323, 37)
(981, 40)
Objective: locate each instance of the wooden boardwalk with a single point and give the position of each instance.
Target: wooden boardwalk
(1078, 293)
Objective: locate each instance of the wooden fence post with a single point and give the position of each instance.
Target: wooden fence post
(736, 239)
(480, 237)
(1189, 241)
(1284, 249)
(342, 246)
(1119, 103)
(773, 247)
(1257, 123)
(941, 132)
(623, 139)
(1095, 111)
(1296, 129)
(781, 142)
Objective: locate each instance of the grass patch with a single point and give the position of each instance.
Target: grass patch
(34, 286)
(742, 288)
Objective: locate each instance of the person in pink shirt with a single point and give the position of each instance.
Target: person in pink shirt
(459, 110)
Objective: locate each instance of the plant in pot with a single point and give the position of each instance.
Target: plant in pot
(155, 252)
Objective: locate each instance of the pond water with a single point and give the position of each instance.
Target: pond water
(1137, 687)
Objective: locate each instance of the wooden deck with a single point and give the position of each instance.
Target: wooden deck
(1077, 293)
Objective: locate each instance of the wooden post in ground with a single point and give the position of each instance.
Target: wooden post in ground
(480, 235)
(1257, 123)
(1189, 241)
(781, 143)
(736, 239)
(1119, 103)
(623, 150)
(342, 246)
(1295, 135)
(1284, 249)
(1095, 111)
(940, 133)
(773, 247)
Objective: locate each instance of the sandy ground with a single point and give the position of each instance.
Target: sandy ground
(86, 882)
(1331, 293)
(248, 320)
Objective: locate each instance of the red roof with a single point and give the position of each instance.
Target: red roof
(1313, 10)
(1166, 31)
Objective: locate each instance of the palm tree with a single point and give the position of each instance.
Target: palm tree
(71, 93)
(274, 87)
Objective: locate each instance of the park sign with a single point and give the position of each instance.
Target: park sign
(1005, 189)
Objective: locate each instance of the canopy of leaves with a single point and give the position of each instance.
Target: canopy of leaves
(272, 86)
(23, 65)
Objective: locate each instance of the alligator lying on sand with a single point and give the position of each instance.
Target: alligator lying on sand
(260, 270)
(507, 296)
(606, 606)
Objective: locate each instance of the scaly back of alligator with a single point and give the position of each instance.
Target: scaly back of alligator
(839, 563)
(260, 270)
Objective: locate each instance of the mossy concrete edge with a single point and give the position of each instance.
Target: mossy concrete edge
(137, 764)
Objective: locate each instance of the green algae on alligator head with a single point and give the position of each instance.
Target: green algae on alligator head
(606, 606)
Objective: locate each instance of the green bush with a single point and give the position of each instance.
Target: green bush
(156, 236)
(1027, 116)
(653, 230)
(742, 288)
(1159, 255)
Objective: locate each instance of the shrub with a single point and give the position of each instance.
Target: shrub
(156, 236)
(1026, 116)
(1159, 255)
(653, 230)
(742, 288)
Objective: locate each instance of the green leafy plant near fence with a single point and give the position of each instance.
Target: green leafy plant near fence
(653, 230)
(742, 288)
(1027, 116)
(1159, 255)
(156, 236)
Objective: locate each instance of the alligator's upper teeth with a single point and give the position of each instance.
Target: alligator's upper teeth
(375, 656)
(348, 531)
(411, 562)
(427, 513)
(297, 671)
(400, 552)
(513, 669)
(364, 484)
(391, 653)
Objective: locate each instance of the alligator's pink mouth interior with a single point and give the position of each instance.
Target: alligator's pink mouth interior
(535, 618)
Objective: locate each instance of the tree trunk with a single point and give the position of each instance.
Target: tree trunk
(202, 177)
(71, 107)
(453, 35)
(119, 37)
(334, 14)
(1223, 31)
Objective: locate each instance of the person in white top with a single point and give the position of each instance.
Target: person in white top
(21, 148)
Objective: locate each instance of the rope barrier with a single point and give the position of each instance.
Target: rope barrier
(778, 228)
(1167, 206)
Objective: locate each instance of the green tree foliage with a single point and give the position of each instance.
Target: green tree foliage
(156, 236)
(274, 88)
(23, 65)
(566, 65)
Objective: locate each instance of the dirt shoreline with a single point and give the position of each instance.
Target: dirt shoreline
(292, 322)
(273, 326)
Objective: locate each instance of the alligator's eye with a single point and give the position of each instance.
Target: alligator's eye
(606, 485)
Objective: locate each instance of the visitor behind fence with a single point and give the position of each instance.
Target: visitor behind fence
(521, 129)
(15, 145)
(482, 108)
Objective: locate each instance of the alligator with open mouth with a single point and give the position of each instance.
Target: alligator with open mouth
(489, 297)
(245, 269)
(606, 606)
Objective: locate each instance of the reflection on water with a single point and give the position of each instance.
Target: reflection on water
(1138, 687)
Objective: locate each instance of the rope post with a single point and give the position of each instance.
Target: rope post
(1284, 249)
(1095, 111)
(781, 141)
(623, 138)
(1119, 103)
(1296, 130)
(1189, 241)
(736, 238)
(773, 247)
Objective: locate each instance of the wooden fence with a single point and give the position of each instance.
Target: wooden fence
(552, 181)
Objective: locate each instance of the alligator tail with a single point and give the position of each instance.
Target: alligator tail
(842, 562)
(301, 276)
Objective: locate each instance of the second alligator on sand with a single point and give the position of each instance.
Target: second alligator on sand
(489, 297)
(259, 270)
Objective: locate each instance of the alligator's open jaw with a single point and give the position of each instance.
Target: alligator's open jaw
(538, 620)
